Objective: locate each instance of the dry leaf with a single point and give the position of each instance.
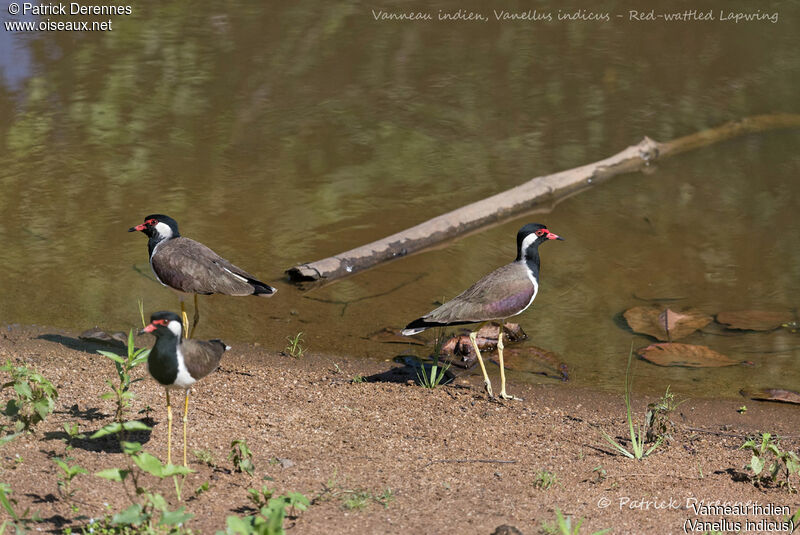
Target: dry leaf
(686, 355)
(755, 320)
(774, 394)
(665, 324)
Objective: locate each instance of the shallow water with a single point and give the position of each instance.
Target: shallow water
(278, 134)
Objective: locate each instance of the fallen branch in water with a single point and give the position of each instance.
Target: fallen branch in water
(524, 197)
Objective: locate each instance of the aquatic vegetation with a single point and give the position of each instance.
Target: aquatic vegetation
(35, 397)
(781, 466)
(638, 437)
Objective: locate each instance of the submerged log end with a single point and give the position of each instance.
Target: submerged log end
(303, 273)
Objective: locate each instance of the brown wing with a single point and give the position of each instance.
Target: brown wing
(201, 357)
(504, 292)
(191, 267)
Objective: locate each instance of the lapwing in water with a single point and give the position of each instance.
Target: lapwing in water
(177, 363)
(505, 292)
(190, 267)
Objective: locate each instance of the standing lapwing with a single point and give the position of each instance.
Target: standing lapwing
(179, 363)
(506, 291)
(190, 267)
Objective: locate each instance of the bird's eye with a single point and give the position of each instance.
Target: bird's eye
(540, 232)
(151, 222)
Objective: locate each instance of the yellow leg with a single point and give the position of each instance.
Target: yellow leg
(169, 429)
(185, 420)
(472, 336)
(500, 348)
(196, 319)
(185, 320)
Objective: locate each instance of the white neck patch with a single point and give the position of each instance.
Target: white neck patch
(529, 239)
(164, 231)
(175, 327)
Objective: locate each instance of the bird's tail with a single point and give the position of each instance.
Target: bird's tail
(416, 327)
(261, 289)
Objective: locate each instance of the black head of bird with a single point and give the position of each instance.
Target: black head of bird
(158, 227)
(165, 324)
(530, 237)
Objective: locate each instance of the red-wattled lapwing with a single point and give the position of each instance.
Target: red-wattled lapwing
(190, 267)
(506, 291)
(179, 363)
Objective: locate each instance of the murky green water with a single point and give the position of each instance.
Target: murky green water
(278, 133)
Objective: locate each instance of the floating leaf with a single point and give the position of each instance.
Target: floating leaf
(755, 320)
(663, 323)
(774, 394)
(686, 355)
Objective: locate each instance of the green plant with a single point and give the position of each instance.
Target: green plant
(121, 393)
(766, 453)
(437, 375)
(637, 438)
(149, 510)
(742, 409)
(260, 497)
(35, 397)
(269, 520)
(657, 418)
(358, 378)
(544, 479)
(353, 499)
(563, 526)
(72, 430)
(294, 349)
(205, 457)
(202, 488)
(19, 521)
(66, 476)
(241, 456)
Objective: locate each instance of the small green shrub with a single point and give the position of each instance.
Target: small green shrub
(269, 520)
(120, 392)
(544, 479)
(436, 377)
(564, 526)
(241, 456)
(294, 349)
(638, 437)
(35, 397)
(149, 512)
(770, 465)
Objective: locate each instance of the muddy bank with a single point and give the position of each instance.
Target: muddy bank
(412, 452)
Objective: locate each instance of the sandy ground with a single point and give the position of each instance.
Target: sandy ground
(387, 437)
